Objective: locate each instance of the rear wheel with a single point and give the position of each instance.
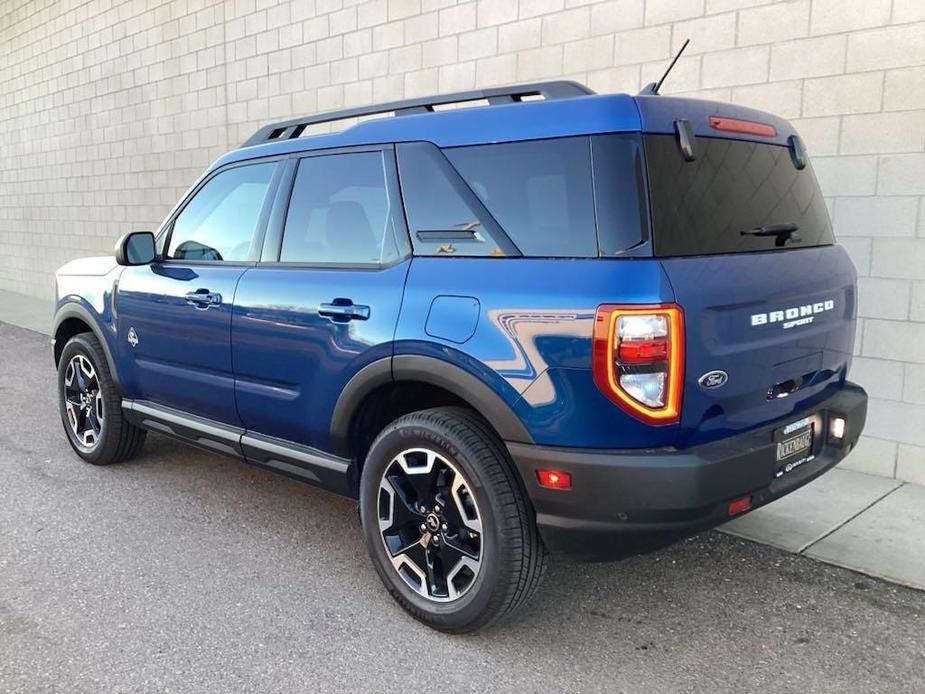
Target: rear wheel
(90, 405)
(446, 524)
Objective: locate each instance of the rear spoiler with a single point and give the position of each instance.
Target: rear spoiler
(659, 114)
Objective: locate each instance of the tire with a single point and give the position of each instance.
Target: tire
(111, 439)
(488, 559)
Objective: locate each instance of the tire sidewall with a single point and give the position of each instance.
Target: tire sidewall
(401, 436)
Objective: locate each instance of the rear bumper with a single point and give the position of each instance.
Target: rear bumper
(629, 502)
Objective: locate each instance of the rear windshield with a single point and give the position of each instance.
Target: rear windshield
(703, 206)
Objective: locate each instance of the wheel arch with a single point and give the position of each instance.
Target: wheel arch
(73, 319)
(433, 375)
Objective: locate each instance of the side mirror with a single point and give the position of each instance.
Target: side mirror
(136, 248)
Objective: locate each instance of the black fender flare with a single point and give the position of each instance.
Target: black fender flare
(74, 310)
(414, 367)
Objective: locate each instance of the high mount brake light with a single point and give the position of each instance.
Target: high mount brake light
(638, 359)
(748, 127)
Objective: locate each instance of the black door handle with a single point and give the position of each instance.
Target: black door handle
(343, 310)
(203, 298)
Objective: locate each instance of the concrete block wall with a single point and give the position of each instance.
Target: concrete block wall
(109, 110)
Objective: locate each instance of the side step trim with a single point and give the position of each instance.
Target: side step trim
(304, 462)
(202, 432)
(291, 459)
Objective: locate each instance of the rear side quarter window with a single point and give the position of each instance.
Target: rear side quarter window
(539, 192)
(574, 197)
(444, 215)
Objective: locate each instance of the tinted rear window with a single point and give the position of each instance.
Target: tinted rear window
(539, 192)
(701, 207)
(575, 197)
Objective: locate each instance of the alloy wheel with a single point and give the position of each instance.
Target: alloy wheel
(430, 524)
(83, 401)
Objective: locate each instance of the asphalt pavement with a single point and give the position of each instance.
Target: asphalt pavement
(183, 571)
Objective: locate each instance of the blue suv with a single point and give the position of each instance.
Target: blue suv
(550, 321)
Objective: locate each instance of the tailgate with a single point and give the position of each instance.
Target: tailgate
(779, 324)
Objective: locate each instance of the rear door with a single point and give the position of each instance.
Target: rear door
(174, 316)
(769, 301)
(324, 301)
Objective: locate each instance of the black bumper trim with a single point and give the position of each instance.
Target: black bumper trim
(631, 501)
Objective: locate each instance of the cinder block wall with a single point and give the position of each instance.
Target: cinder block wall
(109, 110)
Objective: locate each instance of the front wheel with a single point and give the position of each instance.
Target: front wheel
(90, 405)
(446, 524)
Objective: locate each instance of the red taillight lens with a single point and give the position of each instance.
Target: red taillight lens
(553, 479)
(642, 351)
(639, 359)
(748, 127)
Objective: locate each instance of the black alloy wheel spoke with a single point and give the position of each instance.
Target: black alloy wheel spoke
(453, 546)
(423, 484)
(93, 419)
(405, 510)
(79, 377)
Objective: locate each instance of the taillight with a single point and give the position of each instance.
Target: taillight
(639, 359)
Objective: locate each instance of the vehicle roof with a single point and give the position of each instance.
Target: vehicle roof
(527, 120)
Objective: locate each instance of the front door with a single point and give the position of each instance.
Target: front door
(174, 316)
(324, 302)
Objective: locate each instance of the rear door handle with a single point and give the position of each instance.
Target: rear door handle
(343, 310)
(203, 298)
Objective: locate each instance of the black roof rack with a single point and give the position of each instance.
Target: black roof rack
(289, 129)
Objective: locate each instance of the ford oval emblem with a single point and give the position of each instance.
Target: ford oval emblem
(713, 379)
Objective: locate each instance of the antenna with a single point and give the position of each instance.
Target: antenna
(653, 87)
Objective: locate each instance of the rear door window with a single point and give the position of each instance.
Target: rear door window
(703, 206)
(340, 212)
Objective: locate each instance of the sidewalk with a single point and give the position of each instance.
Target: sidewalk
(26, 311)
(869, 524)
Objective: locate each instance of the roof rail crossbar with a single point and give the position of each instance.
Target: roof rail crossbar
(285, 130)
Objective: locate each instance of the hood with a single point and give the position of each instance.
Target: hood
(95, 267)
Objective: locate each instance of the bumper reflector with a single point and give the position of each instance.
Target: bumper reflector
(740, 505)
(552, 479)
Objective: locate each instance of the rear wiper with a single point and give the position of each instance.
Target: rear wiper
(781, 232)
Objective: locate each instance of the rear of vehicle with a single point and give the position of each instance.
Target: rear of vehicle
(591, 324)
(744, 361)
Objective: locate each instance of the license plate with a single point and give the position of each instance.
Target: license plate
(794, 445)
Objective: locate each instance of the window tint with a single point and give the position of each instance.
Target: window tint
(340, 212)
(445, 216)
(220, 221)
(620, 192)
(539, 192)
(703, 206)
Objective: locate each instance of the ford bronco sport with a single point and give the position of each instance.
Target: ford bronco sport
(553, 321)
